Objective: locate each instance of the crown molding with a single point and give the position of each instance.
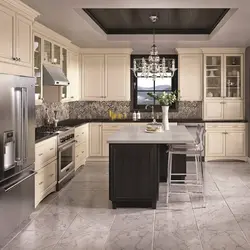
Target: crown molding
(20, 8)
(106, 51)
(189, 50)
(50, 34)
(223, 50)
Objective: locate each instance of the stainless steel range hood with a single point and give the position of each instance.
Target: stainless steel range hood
(54, 76)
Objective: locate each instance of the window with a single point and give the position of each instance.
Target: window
(141, 86)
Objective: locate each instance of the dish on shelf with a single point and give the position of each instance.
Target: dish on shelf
(210, 94)
(211, 74)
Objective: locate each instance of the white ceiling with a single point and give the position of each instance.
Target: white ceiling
(66, 18)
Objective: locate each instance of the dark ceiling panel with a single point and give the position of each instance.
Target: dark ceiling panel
(171, 21)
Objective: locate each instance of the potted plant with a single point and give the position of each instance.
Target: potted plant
(165, 99)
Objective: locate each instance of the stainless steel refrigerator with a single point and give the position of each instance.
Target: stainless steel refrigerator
(17, 152)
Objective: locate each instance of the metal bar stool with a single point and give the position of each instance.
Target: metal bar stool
(194, 149)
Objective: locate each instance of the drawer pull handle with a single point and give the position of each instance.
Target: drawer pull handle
(51, 149)
(82, 133)
(41, 154)
(77, 136)
(82, 151)
(40, 183)
(51, 175)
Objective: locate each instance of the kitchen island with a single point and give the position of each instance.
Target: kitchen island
(135, 161)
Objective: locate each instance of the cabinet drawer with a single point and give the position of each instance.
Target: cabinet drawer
(45, 152)
(226, 126)
(50, 174)
(39, 182)
(81, 134)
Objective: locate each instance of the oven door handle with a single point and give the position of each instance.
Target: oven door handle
(70, 144)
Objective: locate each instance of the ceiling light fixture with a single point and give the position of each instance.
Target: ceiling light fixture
(154, 67)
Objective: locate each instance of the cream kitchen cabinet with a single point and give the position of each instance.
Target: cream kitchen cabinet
(81, 150)
(226, 141)
(95, 139)
(224, 86)
(93, 81)
(106, 77)
(73, 75)
(190, 74)
(16, 38)
(117, 75)
(46, 167)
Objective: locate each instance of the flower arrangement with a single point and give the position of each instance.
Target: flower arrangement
(165, 98)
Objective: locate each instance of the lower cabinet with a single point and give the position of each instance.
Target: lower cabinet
(46, 167)
(226, 141)
(95, 139)
(45, 180)
(81, 149)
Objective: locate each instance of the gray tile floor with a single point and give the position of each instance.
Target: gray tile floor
(79, 216)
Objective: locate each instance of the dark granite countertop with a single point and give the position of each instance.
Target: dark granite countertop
(79, 122)
(42, 137)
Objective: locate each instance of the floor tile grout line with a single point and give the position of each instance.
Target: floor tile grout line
(232, 211)
(109, 232)
(153, 232)
(198, 229)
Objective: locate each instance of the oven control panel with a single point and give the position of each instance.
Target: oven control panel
(66, 138)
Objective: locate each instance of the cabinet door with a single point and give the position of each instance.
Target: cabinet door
(236, 143)
(95, 139)
(73, 76)
(213, 110)
(7, 35)
(93, 77)
(117, 86)
(233, 109)
(191, 72)
(213, 76)
(215, 143)
(233, 76)
(24, 41)
(105, 146)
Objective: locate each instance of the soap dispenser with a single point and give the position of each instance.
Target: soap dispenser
(138, 115)
(134, 116)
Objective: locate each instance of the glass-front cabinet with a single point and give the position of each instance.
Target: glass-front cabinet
(233, 76)
(47, 53)
(214, 76)
(223, 76)
(38, 67)
(57, 55)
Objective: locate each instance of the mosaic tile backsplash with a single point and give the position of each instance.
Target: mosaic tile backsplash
(100, 110)
(93, 109)
(49, 108)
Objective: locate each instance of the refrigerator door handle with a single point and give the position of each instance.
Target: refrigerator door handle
(18, 114)
(25, 123)
(7, 189)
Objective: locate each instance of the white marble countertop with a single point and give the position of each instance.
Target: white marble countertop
(137, 134)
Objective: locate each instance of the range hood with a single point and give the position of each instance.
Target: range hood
(54, 76)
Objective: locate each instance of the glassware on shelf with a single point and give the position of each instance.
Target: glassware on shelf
(47, 51)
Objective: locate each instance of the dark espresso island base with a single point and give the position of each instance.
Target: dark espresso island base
(135, 171)
(138, 161)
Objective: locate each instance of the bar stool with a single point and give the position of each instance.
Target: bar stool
(194, 149)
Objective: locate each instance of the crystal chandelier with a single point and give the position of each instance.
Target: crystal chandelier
(154, 67)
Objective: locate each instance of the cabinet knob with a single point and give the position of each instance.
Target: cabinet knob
(72, 97)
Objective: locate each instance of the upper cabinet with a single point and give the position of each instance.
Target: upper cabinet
(223, 86)
(190, 74)
(16, 36)
(73, 73)
(117, 73)
(106, 76)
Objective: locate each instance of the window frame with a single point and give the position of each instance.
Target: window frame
(133, 83)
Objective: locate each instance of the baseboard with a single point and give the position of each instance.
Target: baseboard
(97, 159)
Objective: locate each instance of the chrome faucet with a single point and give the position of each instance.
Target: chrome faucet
(152, 113)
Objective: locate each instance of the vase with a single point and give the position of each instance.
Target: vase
(165, 121)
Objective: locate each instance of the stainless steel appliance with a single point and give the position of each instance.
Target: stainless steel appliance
(66, 155)
(17, 152)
